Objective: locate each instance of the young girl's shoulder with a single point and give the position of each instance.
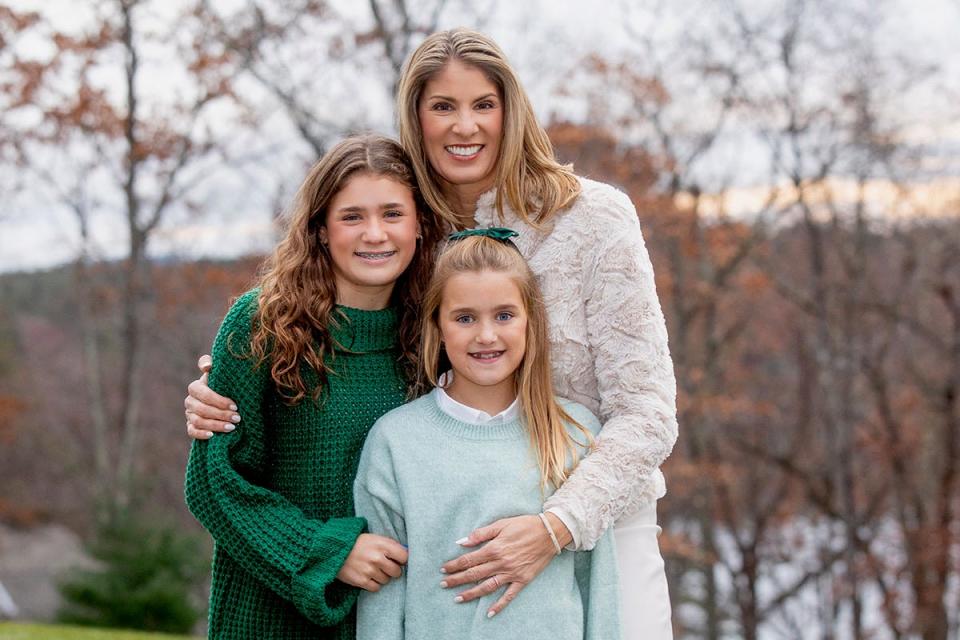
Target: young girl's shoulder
(583, 416)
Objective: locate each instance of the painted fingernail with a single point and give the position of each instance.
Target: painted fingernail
(463, 540)
(458, 599)
(491, 613)
(229, 427)
(233, 407)
(235, 418)
(442, 570)
(443, 584)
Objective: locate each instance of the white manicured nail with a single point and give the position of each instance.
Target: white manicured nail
(463, 540)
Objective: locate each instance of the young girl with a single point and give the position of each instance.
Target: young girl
(489, 441)
(312, 357)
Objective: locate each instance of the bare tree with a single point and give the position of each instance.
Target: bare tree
(129, 154)
(317, 66)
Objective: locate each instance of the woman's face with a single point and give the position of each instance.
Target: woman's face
(371, 234)
(461, 117)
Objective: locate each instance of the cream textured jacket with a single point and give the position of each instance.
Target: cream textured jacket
(609, 350)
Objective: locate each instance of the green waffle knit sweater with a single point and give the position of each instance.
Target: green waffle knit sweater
(276, 493)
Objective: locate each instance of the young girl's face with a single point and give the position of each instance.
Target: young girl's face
(483, 323)
(371, 233)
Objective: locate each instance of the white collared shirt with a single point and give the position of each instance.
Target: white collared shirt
(463, 413)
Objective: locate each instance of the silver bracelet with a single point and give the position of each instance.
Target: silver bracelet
(553, 536)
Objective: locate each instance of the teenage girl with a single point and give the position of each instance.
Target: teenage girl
(312, 357)
(489, 441)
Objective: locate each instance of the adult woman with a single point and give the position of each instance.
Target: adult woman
(482, 159)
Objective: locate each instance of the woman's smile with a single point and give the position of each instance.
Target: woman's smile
(464, 152)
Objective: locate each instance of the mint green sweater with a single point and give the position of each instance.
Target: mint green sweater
(426, 480)
(276, 494)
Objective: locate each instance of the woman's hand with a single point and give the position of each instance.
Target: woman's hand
(517, 550)
(373, 562)
(207, 411)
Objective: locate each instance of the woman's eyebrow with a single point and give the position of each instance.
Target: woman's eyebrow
(450, 99)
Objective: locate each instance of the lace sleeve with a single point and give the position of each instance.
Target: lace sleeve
(628, 339)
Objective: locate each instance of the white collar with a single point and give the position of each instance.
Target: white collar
(463, 413)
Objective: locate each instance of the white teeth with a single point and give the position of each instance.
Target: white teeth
(464, 151)
(487, 356)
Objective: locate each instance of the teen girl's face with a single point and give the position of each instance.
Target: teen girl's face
(461, 117)
(483, 323)
(371, 233)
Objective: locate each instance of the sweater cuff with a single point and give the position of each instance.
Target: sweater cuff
(315, 591)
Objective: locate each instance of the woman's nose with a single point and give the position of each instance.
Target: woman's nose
(466, 124)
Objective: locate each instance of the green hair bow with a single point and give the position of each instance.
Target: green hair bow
(497, 233)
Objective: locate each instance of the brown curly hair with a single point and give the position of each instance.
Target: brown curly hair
(297, 288)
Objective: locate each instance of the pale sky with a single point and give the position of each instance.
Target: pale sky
(542, 39)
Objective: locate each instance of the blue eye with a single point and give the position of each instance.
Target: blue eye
(503, 316)
(464, 319)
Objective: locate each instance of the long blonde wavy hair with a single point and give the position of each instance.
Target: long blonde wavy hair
(528, 176)
(543, 417)
(297, 288)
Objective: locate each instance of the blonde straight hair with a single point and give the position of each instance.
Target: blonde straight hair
(543, 416)
(528, 176)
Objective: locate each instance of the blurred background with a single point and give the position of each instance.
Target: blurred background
(796, 169)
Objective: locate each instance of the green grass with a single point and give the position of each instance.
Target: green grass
(10, 631)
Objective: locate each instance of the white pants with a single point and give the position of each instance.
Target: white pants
(644, 601)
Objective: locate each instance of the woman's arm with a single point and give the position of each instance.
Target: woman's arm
(628, 337)
(295, 556)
